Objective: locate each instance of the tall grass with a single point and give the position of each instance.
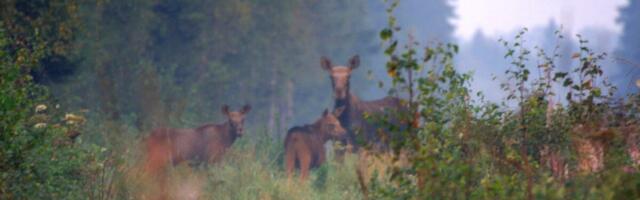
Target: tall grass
(252, 169)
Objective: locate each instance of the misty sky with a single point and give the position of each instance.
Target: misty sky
(595, 19)
(495, 17)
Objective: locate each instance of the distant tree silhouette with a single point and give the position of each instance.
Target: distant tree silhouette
(628, 52)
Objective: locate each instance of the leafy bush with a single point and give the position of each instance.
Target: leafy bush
(38, 160)
(524, 148)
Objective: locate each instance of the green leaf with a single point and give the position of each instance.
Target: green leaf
(567, 82)
(596, 92)
(428, 55)
(509, 53)
(391, 48)
(386, 34)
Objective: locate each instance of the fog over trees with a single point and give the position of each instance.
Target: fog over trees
(93, 94)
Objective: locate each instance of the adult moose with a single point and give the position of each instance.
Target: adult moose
(206, 143)
(355, 109)
(304, 145)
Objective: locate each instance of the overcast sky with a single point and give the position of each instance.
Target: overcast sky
(495, 17)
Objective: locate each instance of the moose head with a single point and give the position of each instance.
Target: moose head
(330, 124)
(236, 118)
(340, 75)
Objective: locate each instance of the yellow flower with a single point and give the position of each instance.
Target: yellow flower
(392, 73)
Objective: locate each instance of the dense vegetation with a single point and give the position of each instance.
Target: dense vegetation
(526, 147)
(113, 70)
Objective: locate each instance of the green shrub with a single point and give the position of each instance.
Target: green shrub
(37, 159)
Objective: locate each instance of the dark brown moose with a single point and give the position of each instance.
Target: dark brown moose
(205, 143)
(304, 145)
(355, 109)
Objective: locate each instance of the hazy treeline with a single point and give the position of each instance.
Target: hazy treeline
(160, 63)
(113, 70)
(125, 67)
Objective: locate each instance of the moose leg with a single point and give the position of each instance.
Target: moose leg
(305, 164)
(157, 159)
(632, 139)
(339, 151)
(342, 148)
(214, 153)
(290, 162)
(321, 158)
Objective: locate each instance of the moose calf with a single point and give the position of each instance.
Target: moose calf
(205, 143)
(304, 145)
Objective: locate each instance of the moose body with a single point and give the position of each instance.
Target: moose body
(353, 117)
(355, 121)
(304, 145)
(207, 143)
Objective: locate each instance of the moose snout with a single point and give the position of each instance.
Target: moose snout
(240, 131)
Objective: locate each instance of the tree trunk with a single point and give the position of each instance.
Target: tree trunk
(274, 104)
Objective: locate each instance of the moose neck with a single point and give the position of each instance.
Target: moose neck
(229, 131)
(349, 103)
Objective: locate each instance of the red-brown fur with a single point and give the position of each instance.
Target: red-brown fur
(205, 143)
(631, 133)
(304, 145)
(591, 142)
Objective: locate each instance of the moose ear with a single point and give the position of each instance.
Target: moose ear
(246, 108)
(225, 109)
(354, 62)
(325, 63)
(338, 111)
(325, 113)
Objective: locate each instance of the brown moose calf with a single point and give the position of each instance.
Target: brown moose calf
(205, 143)
(304, 145)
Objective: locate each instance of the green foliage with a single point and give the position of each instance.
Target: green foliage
(133, 66)
(253, 170)
(47, 28)
(37, 159)
(439, 167)
(470, 149)
(138, 65)
(167, 63)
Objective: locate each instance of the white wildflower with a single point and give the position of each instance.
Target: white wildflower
(40, 108)
(40, 125)
(71, 118)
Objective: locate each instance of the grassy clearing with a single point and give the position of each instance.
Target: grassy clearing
(252, 169)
